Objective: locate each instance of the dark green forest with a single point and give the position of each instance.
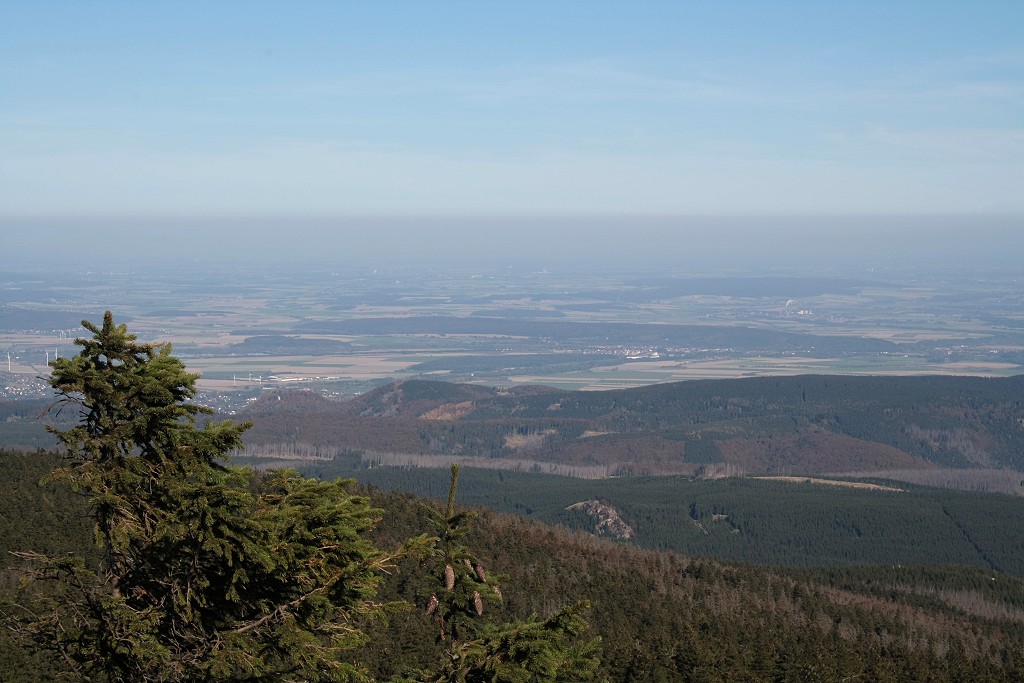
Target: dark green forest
(659, 615)
(747, 520)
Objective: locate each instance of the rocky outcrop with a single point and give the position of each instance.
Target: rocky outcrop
(606, 519)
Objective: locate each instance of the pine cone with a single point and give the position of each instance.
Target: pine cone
(449, 577)
(431, 604)
(478, 603)
(479, 569)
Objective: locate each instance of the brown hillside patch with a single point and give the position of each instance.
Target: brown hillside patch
(815, 452)
(528, 441)
(449, 411)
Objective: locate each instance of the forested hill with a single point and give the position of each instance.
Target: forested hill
(667, 617)
(660, 616)
(808, 424)
(920, 427)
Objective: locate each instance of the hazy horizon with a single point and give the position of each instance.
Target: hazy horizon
(695, 243)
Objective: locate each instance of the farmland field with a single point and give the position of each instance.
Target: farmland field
(343, 331)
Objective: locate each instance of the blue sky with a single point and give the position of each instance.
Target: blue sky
(511, 108)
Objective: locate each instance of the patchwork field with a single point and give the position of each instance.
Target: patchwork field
(345, 331)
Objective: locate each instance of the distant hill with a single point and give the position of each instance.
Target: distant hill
(415, 399)
(964, 431)
(810, 424)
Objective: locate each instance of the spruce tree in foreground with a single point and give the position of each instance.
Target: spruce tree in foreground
(210, 572)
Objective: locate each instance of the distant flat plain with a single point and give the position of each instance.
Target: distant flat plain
(333, 329)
